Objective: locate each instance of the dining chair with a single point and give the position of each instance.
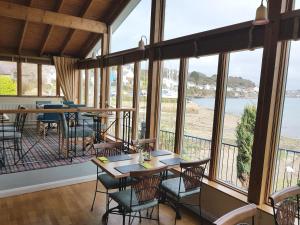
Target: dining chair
(143, 195)
(188, 183)
(109, 183)
(14, 136)
(12, 126)
(145, 144)
(286, 206)
(237, 216)
(73, 135)
(48, 119)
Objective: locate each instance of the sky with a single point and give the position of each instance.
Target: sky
(192, 16)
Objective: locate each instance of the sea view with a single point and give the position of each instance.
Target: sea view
(235, 106)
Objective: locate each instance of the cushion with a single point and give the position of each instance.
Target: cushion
(108, 181)
(9, 135)
(123, 199)
(172, 187)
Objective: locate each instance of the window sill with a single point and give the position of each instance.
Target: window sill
(236, 194)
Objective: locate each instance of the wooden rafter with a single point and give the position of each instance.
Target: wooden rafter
(72, 32)
(50, 30)
(23, 32)
(21, 12)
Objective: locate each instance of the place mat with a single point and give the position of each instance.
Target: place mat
(117, 158)
(128, 168)
(172, 161)
(160, 153)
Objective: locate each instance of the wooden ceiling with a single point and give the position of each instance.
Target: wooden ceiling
(54, 27)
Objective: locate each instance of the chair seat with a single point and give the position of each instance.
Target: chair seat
(123, 199)
(172, 187)
(79, 132)
(108, 181)
(9, 135)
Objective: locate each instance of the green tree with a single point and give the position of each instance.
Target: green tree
(244, 140)
(7, 86)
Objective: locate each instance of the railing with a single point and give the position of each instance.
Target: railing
(287, 162)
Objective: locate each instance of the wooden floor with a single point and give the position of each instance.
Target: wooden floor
(70, 205)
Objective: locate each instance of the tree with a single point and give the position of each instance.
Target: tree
(244, 140)
(7, 86)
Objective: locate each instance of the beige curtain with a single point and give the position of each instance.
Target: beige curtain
(67, 75)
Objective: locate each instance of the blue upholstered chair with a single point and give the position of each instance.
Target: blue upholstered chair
(144, 194)
(109, 183)
(188, 183)
(73, 135)
(48, 119)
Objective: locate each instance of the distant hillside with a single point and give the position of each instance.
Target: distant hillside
(199, 78)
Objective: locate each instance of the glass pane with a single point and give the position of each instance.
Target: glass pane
(197, 16)
(48, 80)
(200, 103)
(297, 4)
(91, 87)
(8, 78)
(169, 95)
(287, 159)
(137, 24)
(82, 77)
(143, 98)
(29, 79)
(113, 87)
(127, 85)
(240, 116)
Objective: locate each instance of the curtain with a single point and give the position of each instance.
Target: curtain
(67, 75)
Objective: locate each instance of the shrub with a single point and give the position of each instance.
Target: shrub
(244, 139)
(7, 86)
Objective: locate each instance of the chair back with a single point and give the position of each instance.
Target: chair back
(192, 174)
(286, 205)
(108, 149)
(38, 104)
(147, 184)
(21, 120)
(238, 215)
(145, 144)
(52, 116)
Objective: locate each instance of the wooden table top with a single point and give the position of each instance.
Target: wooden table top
(109, 167)
(4, 118)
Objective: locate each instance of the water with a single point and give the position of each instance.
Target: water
(291, 114)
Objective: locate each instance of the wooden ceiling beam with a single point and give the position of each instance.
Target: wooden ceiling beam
(50, 30)
(21, 12)
(71, 33)
(23, 32)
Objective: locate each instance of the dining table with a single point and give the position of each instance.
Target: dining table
(119, 167)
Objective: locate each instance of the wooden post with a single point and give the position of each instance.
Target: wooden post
(19, 78)
(216, 144)
(154, 72)
(136, 99)
(180, 115)
(265, 108)
(40, 79)
(86, 89)
(96, 88)
(103, 72)
(118, 101)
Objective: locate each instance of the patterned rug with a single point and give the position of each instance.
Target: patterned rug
(44, 153)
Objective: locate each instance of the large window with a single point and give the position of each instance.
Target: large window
(8, 78)
(143, 98)
(240, 116)
(199, 111)
(287, 157)
(169, 95)
(82, 87)
(190, 16)
(127, 85)
(91, 87)
(113, 86)
(48, 80)
(127, 34)
(29, 79)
